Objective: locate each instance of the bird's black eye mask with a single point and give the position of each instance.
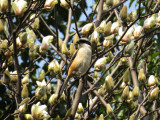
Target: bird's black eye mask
(83, 41)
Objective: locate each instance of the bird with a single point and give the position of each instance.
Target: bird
(80, 61)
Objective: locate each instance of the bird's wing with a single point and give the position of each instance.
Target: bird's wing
(73, 57)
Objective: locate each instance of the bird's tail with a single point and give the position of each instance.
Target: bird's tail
(63, 86)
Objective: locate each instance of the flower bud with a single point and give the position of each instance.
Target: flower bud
(1, 25)
(154, 94)
(52, 99)
(108, 41)
(141, 76)
(31, 37)
(23, 37)
(123, 13)
(63, 97)
(109, 109)
(64, 4)
(109, 84)
(95, 38)
(39, 111)
(95, 74)
(150, 22)
(49, 4)
(136, 92)
(123, 60)
(76, 38)
(102, 26)
(142, 65)
(64, 49)
(77, 116)
(72, 49)
(126, 76)
(100, 64)
(14, 76)
(131, 117)
(23, 108)
(4, 44)
(115, 27)
(115, 2)
(35, 24)
(19, 7)
(130, 97)
(4, 5)
(87, 28)
(138, 31)
(107, 28)
(101, 90)
(129, 48)
(152, 80)
(25, 79)
(33, 51)
(60, 42)
(125, 93)
(109, 2)
(80, 108)
(24, 92)
(49, 88)
(6, 77)
(123, 85)
(132, 16)
(44, 98)
(40, 92)
(101, 117)
(41, 75)
(57, 68)
(28, 117)
(45, 43)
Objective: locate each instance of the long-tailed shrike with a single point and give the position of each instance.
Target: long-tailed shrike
(80, 62)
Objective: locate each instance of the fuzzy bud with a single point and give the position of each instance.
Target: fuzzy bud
(102, 26)
(138, 31)
(108, 41)
(28, 117)
(24, 92)
(14, 76)
(131, 117)
(4, 5)
(25, 79)
(141, 75)
(150, 22)
(123, 13)
(95, 74)
(152, 80)
(39, 111)
(154, 94)
(23, 108)
(126, 76)
(100, 64)
(76, 38)
(64, 4)
(109, 84)
(109, 109)
(101, 117)
(49, 4)
(125, 93)
(87, 28)
(72, 49)
(95, 38)
(130, 97)
(31, 37)
(45, 43)
(33, 51)
(19, 7)
(6, 77)
(107, 28)
(35, 24)
(4, 44)
(40, 92)
(41, 75)
(23, 37)
(123, 85)
(109, 2)
(115, 2)
(115, 27)
(136, 92)
(52, 99)
(64, 49)
(129, 49)
(80, 108)
(101, 90)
